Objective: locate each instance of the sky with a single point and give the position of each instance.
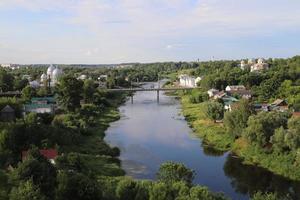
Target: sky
(119, 31)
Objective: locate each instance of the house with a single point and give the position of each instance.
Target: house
(231, 88)
(7, 114)
(10, 66)
(296, 114)
(82, 77)
(261, 107)
(197, 80)
(212, 92)
(50, 154)
(228, 102)
(245, 94)
(188, 81)
(102, 77)
(279, 105)
(239, 90)
(41, 105)
(43, 100)
(220, 95)
(6, 65)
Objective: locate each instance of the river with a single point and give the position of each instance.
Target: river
(150, 133)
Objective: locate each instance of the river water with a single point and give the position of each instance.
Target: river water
(150, 133)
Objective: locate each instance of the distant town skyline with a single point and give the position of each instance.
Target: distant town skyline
(126, 31)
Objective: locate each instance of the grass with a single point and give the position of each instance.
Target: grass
(279, 163)
(215, 135)
(212, 133)
(99, 157)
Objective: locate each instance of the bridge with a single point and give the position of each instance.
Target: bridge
(150, 90)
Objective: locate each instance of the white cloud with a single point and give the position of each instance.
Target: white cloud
(126, 30)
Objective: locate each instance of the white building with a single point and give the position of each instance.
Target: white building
(188, 81)
(212, 92)
(43, 78)
(52, 75)
(234, 88)
(260, 66)
(34, 84)
(82, 77)
(6, 65)
(254, 66)
(10, 66)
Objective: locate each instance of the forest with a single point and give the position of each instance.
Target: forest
(88, 168)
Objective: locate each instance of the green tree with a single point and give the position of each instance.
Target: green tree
(143, 189)
(26, 191)
(171, 172)
(161, 191)
(180, 190)
(71, 161)
(111, 82)
(88, 90)
(199, 192)
(262, 126)
(236, 120)
(269, 196)
(3, 185)
(38, 169)
(20, 84)
(69, 91)
(76, 186)
(214, 110)
(278, 140)
(27, 93)
(292, 139)
(6, 81)
(126, 189)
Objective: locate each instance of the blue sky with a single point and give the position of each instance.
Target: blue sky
(114, 31)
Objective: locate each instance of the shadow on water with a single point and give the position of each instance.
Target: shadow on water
(211, 151)
(248, 179)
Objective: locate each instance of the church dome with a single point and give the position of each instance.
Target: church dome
(50, 69)
(56, 74)
(43, 77)
(261, 61)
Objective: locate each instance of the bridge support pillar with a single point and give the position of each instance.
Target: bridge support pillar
(157, 96)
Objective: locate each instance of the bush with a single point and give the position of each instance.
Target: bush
(26, 191)
(214, 110)
(171, 172)
(126, 189)
(198, 97)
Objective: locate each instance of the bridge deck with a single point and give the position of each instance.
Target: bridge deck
(150, 89)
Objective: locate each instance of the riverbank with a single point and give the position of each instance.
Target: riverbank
(215, 135)
(96, 154)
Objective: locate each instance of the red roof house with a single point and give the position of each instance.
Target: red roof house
(50, 154)
(296, 114)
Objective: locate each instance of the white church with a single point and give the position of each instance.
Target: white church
(52, 75)
(188, 81)
(253, 66)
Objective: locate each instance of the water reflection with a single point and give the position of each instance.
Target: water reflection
(149, 134)
(211, 151)
(248, 179)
